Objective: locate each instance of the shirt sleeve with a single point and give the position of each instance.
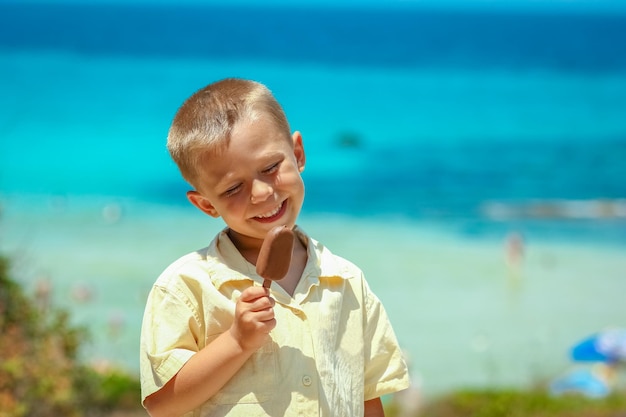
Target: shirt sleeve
(169, 337)
(385, 368)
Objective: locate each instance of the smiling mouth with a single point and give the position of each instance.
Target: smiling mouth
(273, 214)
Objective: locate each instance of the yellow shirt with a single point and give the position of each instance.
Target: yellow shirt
(332, 348)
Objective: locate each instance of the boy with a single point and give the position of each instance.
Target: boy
(214, 342)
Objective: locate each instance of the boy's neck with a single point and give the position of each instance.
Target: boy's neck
(248, 247)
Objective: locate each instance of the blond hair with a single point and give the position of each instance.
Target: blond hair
(204, 123)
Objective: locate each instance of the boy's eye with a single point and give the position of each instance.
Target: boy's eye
(272, 168)
(232, 190)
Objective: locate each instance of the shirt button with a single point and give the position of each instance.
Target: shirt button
(306, 380)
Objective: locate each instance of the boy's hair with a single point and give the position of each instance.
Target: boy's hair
(203, 124)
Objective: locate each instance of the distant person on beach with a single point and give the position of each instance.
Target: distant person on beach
(514, 249)
(214, 341)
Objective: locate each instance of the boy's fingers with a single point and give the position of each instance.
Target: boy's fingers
(263, 304)
(265, 316)
(253, 292)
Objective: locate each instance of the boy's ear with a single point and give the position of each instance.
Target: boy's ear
(202, 203)
(298, 150)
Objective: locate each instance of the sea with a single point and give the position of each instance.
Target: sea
(469, 156)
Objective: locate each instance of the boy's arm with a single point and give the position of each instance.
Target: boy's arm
(207, 371)
(374, 408)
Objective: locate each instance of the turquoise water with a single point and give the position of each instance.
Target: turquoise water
(436, 133)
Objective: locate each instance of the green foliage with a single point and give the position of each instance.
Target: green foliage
(534, 403)
(115, 389)
(40, 375)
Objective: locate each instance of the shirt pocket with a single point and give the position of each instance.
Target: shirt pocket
(255, 382)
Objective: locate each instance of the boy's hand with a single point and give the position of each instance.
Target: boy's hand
(254, 318)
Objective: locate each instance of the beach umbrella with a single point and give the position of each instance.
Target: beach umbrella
(604, 346)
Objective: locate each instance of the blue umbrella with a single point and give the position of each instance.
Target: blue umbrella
(605, 346)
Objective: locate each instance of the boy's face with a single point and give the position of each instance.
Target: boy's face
(255, 183)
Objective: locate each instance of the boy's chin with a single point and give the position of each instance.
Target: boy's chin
(238, 234)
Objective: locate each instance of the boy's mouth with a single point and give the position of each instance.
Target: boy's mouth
(272, 215)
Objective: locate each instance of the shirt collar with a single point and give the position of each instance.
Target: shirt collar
(230, 265)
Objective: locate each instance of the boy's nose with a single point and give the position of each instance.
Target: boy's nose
(261, 191)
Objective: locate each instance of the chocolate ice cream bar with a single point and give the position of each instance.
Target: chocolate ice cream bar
(275, 255)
